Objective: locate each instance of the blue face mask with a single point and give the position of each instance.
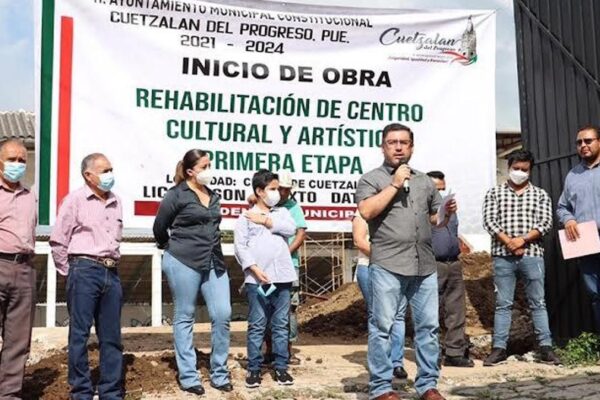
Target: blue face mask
(265, 293)
(107, 180)
(13, 171)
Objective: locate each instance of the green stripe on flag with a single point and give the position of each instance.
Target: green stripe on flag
(46, 110)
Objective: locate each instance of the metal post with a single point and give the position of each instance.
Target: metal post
(156, 289)
(50, 293)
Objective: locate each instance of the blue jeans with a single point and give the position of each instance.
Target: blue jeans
(387, 292)
(505, 277)
(94, 294)
(185, 283)
(272, 310)
(589, 267)
(398, 329)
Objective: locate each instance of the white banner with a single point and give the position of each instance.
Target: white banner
(305, 89)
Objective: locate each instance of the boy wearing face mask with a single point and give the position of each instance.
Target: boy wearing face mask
(517, 214)
(261, 248)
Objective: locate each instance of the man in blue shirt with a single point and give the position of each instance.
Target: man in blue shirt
(580, 202)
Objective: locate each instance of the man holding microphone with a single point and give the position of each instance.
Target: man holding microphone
(400, 204)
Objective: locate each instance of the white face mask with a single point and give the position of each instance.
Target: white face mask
(518, 177)
(272, 198)
(107, 180)
(204, 177)
(443, 193)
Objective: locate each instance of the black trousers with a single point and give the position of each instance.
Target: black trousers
(451, 287)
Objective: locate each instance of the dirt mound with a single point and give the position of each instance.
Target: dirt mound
(47, 379)
(479, 285)
(344, 313)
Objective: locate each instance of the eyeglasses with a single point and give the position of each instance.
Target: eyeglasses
(394, 143)
(587, 141)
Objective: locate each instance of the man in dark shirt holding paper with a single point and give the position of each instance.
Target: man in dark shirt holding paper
(400, 204)
(580, 202)
(451, 286)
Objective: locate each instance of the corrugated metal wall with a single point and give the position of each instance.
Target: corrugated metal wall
(558, 53)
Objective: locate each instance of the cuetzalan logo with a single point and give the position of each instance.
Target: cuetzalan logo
(467, 54)
(434, 48)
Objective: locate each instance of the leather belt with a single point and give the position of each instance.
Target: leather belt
(446, 259)
(17, 258)
(104, 261)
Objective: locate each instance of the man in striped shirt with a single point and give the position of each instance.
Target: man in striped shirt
(517, 214)
(85, 244)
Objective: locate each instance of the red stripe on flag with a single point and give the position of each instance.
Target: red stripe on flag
(64, 108)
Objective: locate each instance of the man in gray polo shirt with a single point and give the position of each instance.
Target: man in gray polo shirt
(400, 205)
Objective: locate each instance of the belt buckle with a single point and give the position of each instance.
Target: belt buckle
(108, 262)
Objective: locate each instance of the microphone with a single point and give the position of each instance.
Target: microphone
(406, 186)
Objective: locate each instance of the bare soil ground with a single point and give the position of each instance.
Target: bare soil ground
(344, 314)
(332, 367)
(332, 350)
